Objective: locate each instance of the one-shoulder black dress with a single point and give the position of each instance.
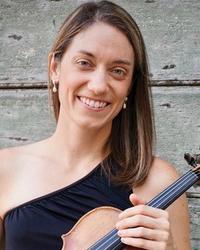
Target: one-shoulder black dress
(38, 224)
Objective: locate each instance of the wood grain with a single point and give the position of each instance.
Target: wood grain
(28, 28)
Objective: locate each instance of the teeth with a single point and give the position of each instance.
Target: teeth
(96, 104)
(87, 101)
(93, 103)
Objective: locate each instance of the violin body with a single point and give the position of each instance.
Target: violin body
(92, 227)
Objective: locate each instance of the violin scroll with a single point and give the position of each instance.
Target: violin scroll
(193, 160)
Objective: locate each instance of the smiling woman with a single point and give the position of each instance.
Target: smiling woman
(102, 149)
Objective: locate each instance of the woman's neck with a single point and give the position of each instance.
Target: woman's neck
(74, 143)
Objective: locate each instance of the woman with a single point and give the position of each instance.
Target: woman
(101, 152)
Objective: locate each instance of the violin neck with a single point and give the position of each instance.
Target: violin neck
(112, 241)
(175, 190)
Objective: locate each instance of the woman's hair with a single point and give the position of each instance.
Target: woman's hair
(132, 135)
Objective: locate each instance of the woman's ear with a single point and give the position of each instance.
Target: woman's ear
(54, 68)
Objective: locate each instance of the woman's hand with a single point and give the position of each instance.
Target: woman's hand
(143, 226)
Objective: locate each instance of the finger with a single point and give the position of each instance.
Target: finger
(135, 200)
(143, 221)
(144, 243)
(144, 210)
(145, 233)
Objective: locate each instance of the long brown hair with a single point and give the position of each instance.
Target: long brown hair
(132, 136)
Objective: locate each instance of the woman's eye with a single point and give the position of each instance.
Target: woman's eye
(83, 63)
(119, 72)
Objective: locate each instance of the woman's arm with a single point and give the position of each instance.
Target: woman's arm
(179, 224)
(1, 235)
(163, 175)
(4, 155)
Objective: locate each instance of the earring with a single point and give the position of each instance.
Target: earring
(124, 105)
(54, 86)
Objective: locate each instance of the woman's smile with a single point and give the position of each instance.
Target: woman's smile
(89, 103)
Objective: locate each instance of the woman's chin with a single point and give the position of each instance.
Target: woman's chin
(90, 124)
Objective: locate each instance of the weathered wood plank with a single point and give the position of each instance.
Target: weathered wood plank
(194, 207)
(42, 84)
(177, 116)
(25, 116)
(170, 28)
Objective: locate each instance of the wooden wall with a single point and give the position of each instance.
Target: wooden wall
(171, 32)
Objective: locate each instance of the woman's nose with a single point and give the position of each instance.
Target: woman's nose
(98, 82)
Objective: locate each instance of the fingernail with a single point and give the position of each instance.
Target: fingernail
(117, 225)
(119, 232)
(123, 240)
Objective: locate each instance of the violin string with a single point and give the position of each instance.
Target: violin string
(112, 243)
(169, 188)
(102, 240)
(111, 234)
(183, 182)
(175, 194)
(186, 179)
(116, 243)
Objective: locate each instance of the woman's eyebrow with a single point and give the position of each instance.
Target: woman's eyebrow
(118, 61)
(122, 61)
(86, 53)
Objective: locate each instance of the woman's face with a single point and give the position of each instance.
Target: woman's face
(94, 76)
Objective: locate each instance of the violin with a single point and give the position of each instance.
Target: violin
(96, 229)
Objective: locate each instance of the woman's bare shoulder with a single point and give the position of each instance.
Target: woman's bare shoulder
(8, 173)
(6, 156)
(162, 171)
(9, 158)
(19, 166)
(160, 176)
(14, 157)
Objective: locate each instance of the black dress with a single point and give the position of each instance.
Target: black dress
(38, 224)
